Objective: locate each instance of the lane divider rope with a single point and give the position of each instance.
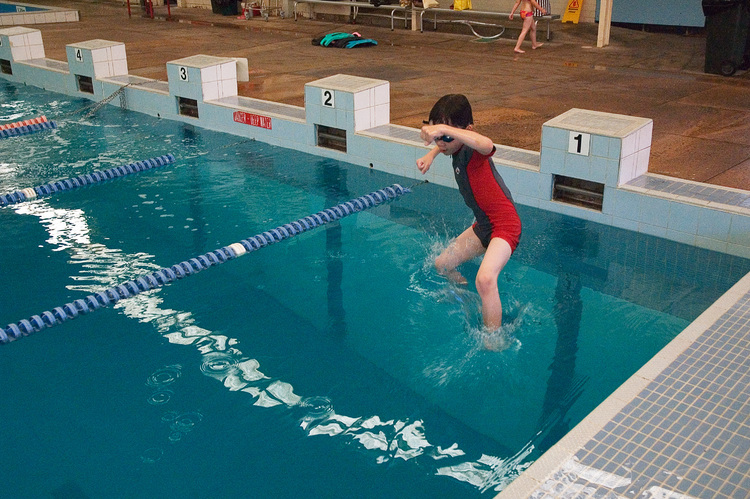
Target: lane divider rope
(163, 276)
(95, 177)
(27, 129)
(31, 121)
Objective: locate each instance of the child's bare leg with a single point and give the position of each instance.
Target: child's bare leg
(497, 255)
(527, 23)
(465, 247)
(534, 43)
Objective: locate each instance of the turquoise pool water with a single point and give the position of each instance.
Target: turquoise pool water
(332, 364)
(6, 8)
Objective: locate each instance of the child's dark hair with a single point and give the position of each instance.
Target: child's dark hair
(453, 110)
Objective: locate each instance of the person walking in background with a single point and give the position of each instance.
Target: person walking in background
(529, 25)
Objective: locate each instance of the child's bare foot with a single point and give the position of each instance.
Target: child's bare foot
(456, 277)
(537, 46)
(519, 51)
(459, 279)
(495, 342)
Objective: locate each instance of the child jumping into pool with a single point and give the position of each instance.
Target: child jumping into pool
(527, 15)
(497, 228)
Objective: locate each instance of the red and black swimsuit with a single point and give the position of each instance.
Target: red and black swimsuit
(485, 192)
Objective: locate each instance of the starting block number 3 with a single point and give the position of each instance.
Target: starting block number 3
(578, 143)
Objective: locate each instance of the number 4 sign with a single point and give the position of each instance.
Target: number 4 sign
(578, 143)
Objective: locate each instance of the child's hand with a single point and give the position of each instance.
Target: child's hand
(429, 133)
(424, 163)
(510, 17)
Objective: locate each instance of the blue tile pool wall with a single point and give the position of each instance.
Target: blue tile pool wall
(668, 208)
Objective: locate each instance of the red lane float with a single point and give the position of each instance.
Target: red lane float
(32, 121)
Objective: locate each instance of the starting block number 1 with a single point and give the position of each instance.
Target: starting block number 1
(327, 98)
(578, 143)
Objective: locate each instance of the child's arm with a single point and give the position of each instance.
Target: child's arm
(515, 6)
(478, 142)
(424, 163)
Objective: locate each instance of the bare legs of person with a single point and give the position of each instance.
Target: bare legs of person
(529, 26)
(466, 247)
(497, 255)
(462, 249)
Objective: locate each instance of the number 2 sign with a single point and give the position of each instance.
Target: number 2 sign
(578, 143)
(327, 98)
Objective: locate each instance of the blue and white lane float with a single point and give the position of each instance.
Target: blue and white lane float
(26, 129)
(163, 276)
(82, 180)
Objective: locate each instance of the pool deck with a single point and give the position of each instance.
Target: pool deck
(680, 427)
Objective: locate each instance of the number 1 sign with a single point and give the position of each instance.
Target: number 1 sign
(578, 143)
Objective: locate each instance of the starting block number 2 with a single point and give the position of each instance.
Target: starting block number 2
(327, 98)
(578, 143)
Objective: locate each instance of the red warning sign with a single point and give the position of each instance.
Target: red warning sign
(252, 119)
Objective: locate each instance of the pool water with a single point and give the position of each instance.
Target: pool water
(13, 8)
(332, 364)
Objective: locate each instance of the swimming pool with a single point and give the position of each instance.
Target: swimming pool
(335, 363)
(6, 8)
(17, 13)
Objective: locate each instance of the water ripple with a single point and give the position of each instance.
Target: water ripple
(164, 376)
(219, 364)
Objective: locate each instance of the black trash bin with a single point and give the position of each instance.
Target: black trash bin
(224, 7)
(727, 25)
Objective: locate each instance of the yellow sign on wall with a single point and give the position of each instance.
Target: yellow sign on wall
(572, 11)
